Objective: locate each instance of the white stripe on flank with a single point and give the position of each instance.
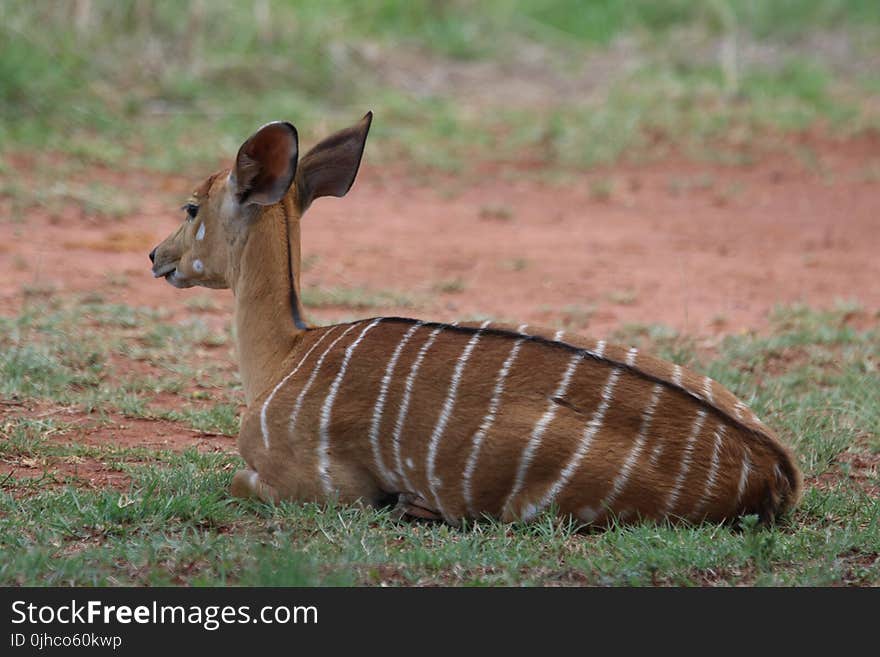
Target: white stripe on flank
(486, 424)
(743, 477)
(388, 477)
(445, 413)
(558, 336)
(709, 489)
(622, 477)
(302, 393)
(707, 389)
(738, 409)
(686, 459)
(539, 429)
(327, 409)
(657, 451)
(631, 356)
(600, 349)
(264, 426)
(593, 427)
(676, 375)
(404, 407)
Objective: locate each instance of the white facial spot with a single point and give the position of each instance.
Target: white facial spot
(200, 233)
(198, 267)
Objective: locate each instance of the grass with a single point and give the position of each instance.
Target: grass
(354, 298)
(455, 285)
(81, 356)
(168, 520)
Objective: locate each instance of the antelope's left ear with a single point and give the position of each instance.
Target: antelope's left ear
(329, 169)
(266, 164)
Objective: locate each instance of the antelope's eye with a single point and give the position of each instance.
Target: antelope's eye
(191, 210)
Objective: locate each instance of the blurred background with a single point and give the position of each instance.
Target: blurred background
(168, 84)
(591, 164)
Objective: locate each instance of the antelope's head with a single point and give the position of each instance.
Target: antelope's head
(204, 249)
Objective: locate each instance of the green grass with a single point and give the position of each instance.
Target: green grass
(354, 298)
(813, 377)
(79, 355)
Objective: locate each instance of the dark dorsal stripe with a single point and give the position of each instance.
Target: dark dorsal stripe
(294, 300)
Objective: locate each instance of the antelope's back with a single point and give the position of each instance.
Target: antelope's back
(507, 422)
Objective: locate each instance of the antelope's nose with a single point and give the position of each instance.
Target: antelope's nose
(153, 255)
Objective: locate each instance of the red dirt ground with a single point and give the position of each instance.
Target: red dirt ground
(707, 249)
(90, 430)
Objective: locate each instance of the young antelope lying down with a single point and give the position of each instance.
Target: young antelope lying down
(451, 421)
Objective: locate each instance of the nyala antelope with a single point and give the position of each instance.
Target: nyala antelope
(449, 421)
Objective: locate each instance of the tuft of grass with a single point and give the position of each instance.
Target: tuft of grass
(218, 418)
(601, 189)
(575, 316)
(449, 286)
(497, 212)
(516, 264)
(625, 297)
(202, 303)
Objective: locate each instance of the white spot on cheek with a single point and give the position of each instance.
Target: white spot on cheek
(200, 233)
(198, 267)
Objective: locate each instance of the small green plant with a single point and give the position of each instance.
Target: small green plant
(449, 286)
(625, 297)
(601, 189)
(354, 298)
(496, 212)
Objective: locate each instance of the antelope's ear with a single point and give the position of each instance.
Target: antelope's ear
(266, 164)
(329, 169)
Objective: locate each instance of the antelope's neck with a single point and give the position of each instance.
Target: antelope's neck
(264, 306)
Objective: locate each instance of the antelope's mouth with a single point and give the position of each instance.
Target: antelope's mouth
(171, 275)
(165, 270)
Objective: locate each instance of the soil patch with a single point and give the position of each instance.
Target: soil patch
(703, 248)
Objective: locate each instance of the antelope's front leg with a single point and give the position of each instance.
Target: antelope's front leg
(271, 473)
(287, 471)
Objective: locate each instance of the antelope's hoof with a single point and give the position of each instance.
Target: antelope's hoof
(415, 506)
(244, 484)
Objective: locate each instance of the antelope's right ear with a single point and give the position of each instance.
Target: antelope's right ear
(329, 169)
(266, 164)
